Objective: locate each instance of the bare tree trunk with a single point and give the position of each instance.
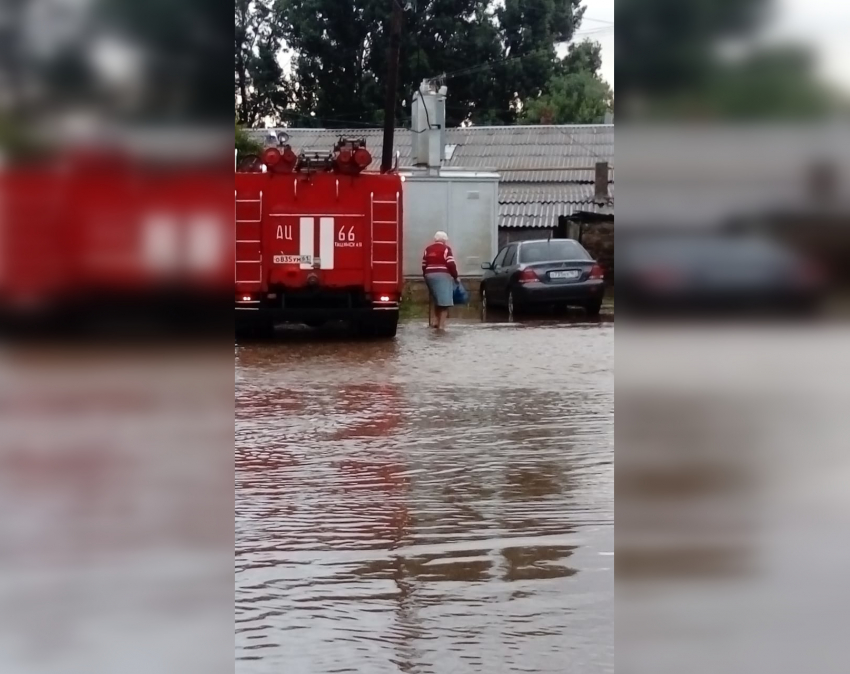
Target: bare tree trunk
(244, 117)
(243, 94)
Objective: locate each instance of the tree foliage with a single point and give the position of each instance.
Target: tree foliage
(531, 29)
(672, 45)
(495, 56)
(675, 67)
(585, 56)
(576, 93)
(138, 62)
(245, 144)
(262, 91)
(185, 51)
(571, 98)
(776, 83)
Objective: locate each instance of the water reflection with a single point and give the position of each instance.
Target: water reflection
(437, 504)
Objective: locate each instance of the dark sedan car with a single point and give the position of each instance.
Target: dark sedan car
(536, 274)
(715, 273)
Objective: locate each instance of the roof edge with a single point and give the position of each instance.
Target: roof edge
(500, 127)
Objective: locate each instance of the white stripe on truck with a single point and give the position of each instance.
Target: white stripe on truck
(306, 245)
(326, 242)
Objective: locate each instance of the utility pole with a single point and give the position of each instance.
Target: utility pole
(392, 86)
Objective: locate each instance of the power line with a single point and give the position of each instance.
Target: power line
(580, 144)
(594, 31)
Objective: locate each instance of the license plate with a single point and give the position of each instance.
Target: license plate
(564, 275)
(293, 259)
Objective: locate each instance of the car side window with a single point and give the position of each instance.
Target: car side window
(500, 258)
(511, 257)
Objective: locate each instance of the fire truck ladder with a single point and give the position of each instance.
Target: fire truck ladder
(248, 268)
(390, 254)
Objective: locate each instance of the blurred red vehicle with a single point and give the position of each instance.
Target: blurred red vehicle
(95, 235)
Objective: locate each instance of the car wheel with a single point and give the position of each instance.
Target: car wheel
(484, 302)
(593, 308)
(511, 306)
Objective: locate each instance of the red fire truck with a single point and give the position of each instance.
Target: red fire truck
(97, 236)
(318, 239)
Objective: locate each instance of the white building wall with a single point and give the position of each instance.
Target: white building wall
(464, 204)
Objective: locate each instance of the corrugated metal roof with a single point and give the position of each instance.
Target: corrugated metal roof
(553, 175)
(534, 215)
(544, 216)
(569, 193)
(521, 205)
(560, 153)
(546, 171)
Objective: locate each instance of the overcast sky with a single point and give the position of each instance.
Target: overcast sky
(599, 26)
(822, 25)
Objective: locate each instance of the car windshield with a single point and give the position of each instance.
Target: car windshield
(552, 251)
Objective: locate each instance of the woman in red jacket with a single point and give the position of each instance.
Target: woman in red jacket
(440, 270)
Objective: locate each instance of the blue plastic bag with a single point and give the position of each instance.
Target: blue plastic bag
(461, 296)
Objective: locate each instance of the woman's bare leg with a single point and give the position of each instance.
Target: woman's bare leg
(443, 318)
(432, 314)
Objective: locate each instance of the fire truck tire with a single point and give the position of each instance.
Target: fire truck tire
(379, 327)
(255, 330)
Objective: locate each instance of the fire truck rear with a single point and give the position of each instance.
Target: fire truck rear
(318, 239)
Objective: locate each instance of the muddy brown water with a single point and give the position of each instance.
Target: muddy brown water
(440, 504)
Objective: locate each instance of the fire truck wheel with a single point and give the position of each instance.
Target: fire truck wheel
(379, 327)
(263, 330)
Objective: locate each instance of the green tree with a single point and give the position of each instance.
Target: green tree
(495, 55)
(671, 65)
(530, 31)
(774, 83)
(185, 49)
(245, 144)
(262, 91)
(571, 98)
(447, 36)
(671, 45)
(340, 55)
(576, 93)
(585, 56)
(17, 142)
(334, 45)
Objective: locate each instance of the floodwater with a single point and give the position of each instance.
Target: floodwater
(441, 504)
